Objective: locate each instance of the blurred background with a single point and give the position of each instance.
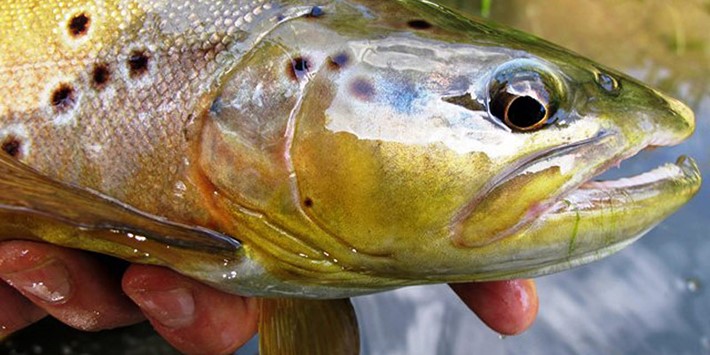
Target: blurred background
(651, 298)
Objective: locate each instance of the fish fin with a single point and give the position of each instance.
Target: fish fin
(34, 206)
(289, 326)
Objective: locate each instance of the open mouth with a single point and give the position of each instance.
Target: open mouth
(681, 177)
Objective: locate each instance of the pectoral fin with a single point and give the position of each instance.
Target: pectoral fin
(316, 327)
(33, 206)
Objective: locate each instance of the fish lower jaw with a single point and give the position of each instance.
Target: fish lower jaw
(679, 180)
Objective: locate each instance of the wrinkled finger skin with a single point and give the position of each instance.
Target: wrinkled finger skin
(193, 317)
(70, 285)
(507, 307)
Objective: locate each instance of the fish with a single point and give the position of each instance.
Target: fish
(305, 152)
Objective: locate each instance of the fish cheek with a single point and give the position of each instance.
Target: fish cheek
(380, 197)
(503, 208)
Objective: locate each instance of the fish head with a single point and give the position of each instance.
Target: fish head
(451, 149)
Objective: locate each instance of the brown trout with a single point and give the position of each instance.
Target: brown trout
(321, 149)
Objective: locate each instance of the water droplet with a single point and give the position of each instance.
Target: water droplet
(693, 284)
(502, 337)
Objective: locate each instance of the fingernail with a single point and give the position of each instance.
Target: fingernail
(172, 308)
(48, 281)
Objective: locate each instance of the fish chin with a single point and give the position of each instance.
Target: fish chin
(628, 192)
(599, 218)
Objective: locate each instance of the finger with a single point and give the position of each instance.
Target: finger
(70, 285)
(193, 317)
(507, 307)
(16, 312)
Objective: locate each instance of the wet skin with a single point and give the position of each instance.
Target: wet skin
(185, 312)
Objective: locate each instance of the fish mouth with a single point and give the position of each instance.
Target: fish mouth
(627, 192)
(589, 197)
(597, 218)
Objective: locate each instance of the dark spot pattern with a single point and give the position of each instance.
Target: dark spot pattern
(63, 98)
(316, 12)
(216, 107)
(79, 25)
(298, 68)
(419, 24)
(11, 146)
(100, 76)
(362, 89)
(138, 63)
(308, 202)
(338, 61)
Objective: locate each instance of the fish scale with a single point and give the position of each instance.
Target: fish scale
(134, 151)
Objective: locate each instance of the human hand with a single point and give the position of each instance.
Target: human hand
(75, 288)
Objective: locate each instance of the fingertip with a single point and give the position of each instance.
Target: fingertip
(193, 317)
(68, 284)
(17, 312)
(507, 307)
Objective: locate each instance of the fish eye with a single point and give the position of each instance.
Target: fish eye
(522, 98)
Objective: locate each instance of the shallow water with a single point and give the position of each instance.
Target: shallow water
(651, 298)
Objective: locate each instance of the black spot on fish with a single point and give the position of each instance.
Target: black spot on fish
(79, 25)
(308, 202)
(362, 89)
(216, 106)
(338, 61)
(138, 63)
(298, 68)
(419, 24)
(100, 76)
(63, 98)
(11, 146)
(316, 11)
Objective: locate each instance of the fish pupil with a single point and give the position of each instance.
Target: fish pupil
(525, 112)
